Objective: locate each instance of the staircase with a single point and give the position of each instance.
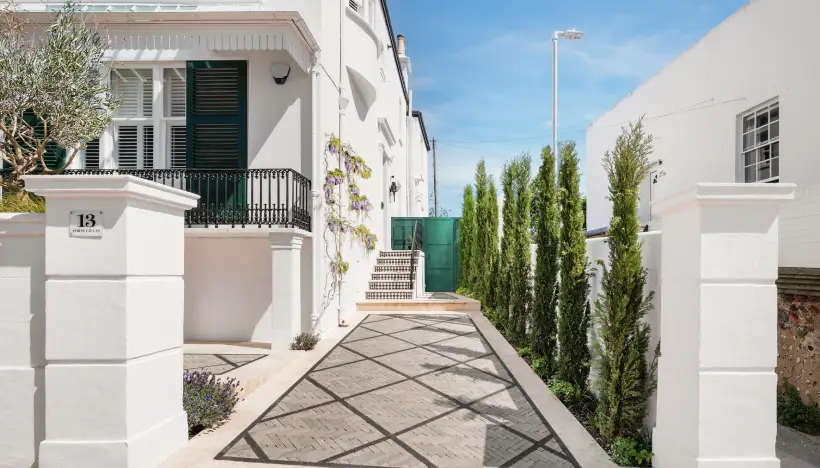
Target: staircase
(394, 276)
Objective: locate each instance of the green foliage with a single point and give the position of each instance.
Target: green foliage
(543, 368)
(625, 379)
(626, 451)
(545, 301)
(466, 239)
(207, 400)
(58, 81)
(304, 342)
(573, 327)
(486, 234)
(508, 218)
(525, 352)
(577, 399)
(490, 286)
(520, 289)
(792, 412)
(19, 201)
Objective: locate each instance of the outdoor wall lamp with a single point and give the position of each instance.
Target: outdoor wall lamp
(394, 188)
(280, 72)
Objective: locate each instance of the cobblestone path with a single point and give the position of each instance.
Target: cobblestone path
(404, 391)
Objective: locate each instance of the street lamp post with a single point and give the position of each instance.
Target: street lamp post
(569, 34)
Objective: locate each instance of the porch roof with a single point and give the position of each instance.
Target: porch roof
(202, 27)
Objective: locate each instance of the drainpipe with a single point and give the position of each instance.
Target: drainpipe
(317, 150)
(343, 102)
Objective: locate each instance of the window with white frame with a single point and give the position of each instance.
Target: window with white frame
(145, 137)
(760, 144)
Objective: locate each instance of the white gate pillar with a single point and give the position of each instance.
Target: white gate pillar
(286, 287)
(716, 381)
(22, 331)
(114, 262)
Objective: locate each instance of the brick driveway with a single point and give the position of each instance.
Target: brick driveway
(404, 391)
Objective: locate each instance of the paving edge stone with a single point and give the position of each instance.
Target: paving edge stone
(586, 450)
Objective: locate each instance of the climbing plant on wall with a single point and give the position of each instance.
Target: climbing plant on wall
(347, 209)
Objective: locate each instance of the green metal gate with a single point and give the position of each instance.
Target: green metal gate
(440, 249)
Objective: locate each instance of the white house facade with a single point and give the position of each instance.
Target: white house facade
(730, 109)
(235, 102)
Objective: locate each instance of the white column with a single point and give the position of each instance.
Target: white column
(286, 287)
(22, 335)
(716, 382)
(114, 317)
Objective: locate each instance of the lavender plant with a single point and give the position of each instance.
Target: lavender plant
(209, 401)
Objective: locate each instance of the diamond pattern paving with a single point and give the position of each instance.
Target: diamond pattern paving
(404, 391)
(219, 364)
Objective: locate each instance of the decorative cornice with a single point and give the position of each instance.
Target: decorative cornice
(387, 131)
(726, 194)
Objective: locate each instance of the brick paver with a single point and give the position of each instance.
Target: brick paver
(405, 391)
(219, 364)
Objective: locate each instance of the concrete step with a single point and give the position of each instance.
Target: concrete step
(388, 295)
(390, 285)
(390, 276)
(377, 301)
(395, 254)
(396, 261)
(392, 269)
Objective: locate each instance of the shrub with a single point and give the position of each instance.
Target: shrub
(467, 240)
(21, 202)
(625, 379)
(207, 400)
(626, 451)
(304, 342)
(792, 412)
(576, 398)
(543, 334)
(542, 367)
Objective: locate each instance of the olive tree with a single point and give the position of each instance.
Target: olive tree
(53, 91)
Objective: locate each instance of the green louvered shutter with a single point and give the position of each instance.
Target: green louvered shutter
(217, 114)
(217, 139)
(54, 155)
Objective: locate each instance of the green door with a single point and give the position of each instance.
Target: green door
(440, 249)
(217, 137)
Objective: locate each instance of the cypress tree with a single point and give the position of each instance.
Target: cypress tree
(505, 255)
(466, 238)
(520, 289)
(492, 248)
(483, 220)
(625, 379)
(545, 300)
(573, 327)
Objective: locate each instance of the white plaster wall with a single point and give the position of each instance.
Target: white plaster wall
(598, 249)
(228, 289)
(279, 116)
(799, 241)
(692, 106)
(22, 338)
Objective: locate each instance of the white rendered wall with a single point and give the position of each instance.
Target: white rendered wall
(22, 338)
(800, 229)
(598, 249)
(228, 289)
(702, 92)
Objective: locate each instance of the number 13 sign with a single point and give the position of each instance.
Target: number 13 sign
(85, 224)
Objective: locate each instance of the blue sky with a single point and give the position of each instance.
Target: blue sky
(482, 70)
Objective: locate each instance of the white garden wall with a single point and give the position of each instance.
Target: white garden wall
(800, 229)
(22, 338)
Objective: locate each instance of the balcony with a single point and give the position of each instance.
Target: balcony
(234, 197)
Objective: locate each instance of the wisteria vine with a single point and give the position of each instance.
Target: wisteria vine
(341, 179)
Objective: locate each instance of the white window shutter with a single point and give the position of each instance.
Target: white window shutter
(178, 135)
(127, 146)
(175, 91)
(134, 88)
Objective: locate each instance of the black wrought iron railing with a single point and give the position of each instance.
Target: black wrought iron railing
(416, 246)
(234, 197)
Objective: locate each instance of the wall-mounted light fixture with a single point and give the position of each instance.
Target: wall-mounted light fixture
(394, 188)
(280, 72)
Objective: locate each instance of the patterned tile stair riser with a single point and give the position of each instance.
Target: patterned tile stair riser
(405, 391)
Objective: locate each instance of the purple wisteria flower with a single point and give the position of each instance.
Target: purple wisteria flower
(328, 189)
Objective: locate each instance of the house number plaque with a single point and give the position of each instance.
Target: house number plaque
(85, 224)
